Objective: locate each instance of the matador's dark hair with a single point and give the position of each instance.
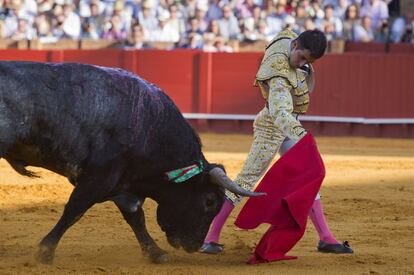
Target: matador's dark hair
(314, 41)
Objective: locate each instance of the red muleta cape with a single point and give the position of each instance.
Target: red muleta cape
(291, 185)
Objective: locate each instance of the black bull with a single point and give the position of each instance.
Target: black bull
(113, 135)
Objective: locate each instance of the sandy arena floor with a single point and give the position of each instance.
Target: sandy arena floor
(368, 196)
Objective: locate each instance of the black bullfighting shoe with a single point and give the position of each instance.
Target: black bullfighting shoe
(212, 248)
(337, 248)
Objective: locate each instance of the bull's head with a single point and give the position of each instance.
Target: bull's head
(186, 213)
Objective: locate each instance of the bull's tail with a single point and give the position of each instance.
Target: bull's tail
(20, 167)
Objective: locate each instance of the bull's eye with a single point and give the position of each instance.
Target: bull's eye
(209, 204)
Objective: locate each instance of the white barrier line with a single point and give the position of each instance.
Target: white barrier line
(359, 120)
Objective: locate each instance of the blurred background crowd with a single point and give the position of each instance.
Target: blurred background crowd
(203, 24)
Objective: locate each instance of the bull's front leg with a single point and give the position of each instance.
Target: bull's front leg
(83, 197)
(149, 247)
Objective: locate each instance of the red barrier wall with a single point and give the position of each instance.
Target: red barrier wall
(172, 71)
(25, 55)
(371, 86)
(347, 85)
(232, 78)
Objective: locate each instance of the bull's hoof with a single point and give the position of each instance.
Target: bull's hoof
(159, 258)
(45, 254)
(156, 255)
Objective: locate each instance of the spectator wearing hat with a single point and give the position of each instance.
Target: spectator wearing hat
(124, 14)
(165, 32)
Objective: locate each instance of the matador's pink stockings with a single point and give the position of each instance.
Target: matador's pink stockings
(213, 234)
(316, 215)
(318, 220)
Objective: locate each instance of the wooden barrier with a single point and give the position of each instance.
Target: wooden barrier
(65, 44)
(14, 44)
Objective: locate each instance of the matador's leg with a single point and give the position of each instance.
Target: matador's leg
(267, 139)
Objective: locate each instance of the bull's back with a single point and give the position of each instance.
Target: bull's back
(54, 114)
(72, 115)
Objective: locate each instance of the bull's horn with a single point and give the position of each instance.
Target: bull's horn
(220, 178)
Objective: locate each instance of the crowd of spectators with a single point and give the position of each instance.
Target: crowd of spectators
(200, 24)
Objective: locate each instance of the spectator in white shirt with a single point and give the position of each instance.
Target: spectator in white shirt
(402, 25)
(201, 14)
(214, 11)
(147, 19)
(340, 8)
(72, 23)
(176, 21)
(229, 26)
(330, 19)
(276, 21)
(24, 31)
(364, 32)
(208, 45)
(165, 32)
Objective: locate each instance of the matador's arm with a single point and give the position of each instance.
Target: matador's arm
(281, 107)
